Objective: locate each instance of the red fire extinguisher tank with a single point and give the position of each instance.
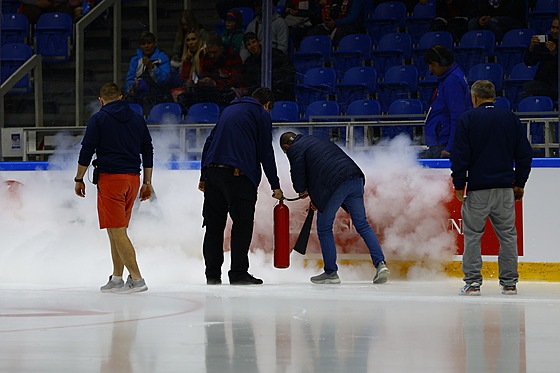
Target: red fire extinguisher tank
(281, 236)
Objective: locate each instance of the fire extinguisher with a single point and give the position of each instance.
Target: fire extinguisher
(281, 235)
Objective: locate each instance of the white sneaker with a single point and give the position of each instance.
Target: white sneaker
(324, 278)
(112, 286)
(382, 274)
(133, 286)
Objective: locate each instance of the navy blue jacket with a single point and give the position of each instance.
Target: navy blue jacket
(118, 135)
(319, 166)
(242, 138)
(489, 142)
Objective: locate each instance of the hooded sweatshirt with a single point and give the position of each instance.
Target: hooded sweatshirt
(118, 135)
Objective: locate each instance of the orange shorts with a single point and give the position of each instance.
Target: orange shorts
(115, 197)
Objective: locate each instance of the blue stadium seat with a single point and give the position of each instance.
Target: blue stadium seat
(536, 104)
(513, 86)
(165, 112)
(137, 108)
(426, 90)
(400, 82)
(540, 19)
(403, 107)
(324, 108)
(353, 50)
(285, 111)
(203, 112)
(318, 83)
(13, 56)
(53, 36)
(314, 51)
(502, 102)
(487, 71)
(421, 19)
(361, 108)
(474, 48)
(427, 41)
(15, 28)
(393, 49)
(387, 17)
(358, 83)
(513, 47)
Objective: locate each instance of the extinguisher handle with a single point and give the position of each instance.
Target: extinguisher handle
(291, 199)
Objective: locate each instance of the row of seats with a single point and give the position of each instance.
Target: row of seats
(51, 37)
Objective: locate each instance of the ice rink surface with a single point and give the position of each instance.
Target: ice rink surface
(401, 326)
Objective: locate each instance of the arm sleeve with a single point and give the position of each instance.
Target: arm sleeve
(147, 149)
(131, 75)
(455, 98)
(235, 70)
(282, 34)
(207, 144)
(266, 151)
(460, 156)
(523, 157)
(162, 72)
(297, 170)
(89, 143)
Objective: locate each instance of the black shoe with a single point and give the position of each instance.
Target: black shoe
(213, 281)
(246, 280)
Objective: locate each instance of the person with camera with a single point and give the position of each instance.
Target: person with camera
(543, 50)
(118, 136)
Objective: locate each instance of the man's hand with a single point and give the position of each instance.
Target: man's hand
(304, 195)
(312, 207)
(277, 193)
(80, 189)
(292, 11)
(518, 193)
(149, 64)
(201, 186)
(483, 20)
(551, 46)
(460, 194)
(445, 154)
(145, 192)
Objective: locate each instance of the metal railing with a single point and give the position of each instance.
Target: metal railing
(33, 64)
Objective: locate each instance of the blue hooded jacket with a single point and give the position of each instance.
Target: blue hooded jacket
(118, 135)
(161, 74)
(452, 99)
(319, 166)
(242, 138)
(491, 150)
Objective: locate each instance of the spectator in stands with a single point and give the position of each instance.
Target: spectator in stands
(220, 79)
(147, 80)
(192, 57)
(187, 23)
(283, 70)
(233, 35)
(546, 55)
(300, 16)
(453, 16)
(451, 99)
(280, 34)
(33, 9)
(223, 6)
(340, 18)
(499, 16)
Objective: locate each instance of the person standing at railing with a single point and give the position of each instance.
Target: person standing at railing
(451, 99)
(118, 136)
(490, 164)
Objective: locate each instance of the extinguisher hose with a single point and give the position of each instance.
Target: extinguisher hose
(291, 199)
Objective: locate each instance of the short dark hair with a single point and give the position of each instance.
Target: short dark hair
(110, 91)
(146, 36)
(264, 95)
(439, 54)
(249, 36)
(287, 138)
(214, 41)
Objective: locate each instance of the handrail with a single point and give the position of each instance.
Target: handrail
(35, 64)
(79, 48)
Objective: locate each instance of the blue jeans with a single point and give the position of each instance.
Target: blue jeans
(351, 193)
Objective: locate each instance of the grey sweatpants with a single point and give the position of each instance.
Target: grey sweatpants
(499, 205)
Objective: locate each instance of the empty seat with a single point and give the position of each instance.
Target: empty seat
(487, 71)
(387, 17)
(427, 41)
(203, 112)
(15, 28)
(540, 19)
(353, 50)
(318, 84)
(53, 36)
(137, 108)
(314, 51)
(404, 108)
(536, 104)
(475, 47)
(165, 112)
(421, 19)
(393, 49)
(513, 47)
(502, 102)
(13, 56)
(321, 109)
(513, 86)
(400, 82)
(358, 83)
(285, 111)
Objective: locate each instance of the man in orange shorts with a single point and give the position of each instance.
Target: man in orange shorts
(119, 136)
